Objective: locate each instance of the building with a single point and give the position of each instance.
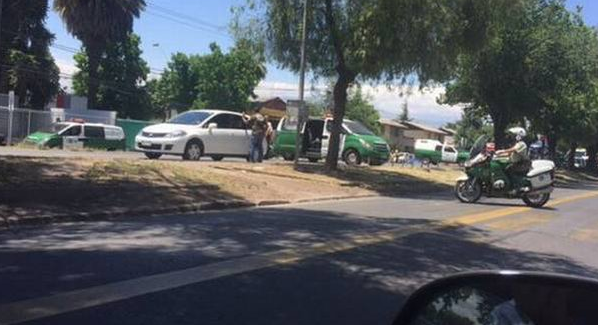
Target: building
(392, 131)
(402, 135)
(450, 135)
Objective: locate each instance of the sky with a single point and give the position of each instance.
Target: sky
(189, 26)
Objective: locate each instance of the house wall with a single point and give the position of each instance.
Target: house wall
(404, 140)
(393, 135)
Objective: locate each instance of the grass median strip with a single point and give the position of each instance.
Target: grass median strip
(71, 301)
(91, 186)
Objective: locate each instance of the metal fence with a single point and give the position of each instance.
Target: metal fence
(27, 121)
(24, 122)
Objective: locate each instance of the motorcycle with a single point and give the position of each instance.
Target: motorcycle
(486, 174)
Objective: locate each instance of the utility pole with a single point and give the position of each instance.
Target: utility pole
(301, 83)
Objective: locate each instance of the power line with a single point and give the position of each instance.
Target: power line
(41, 71)
(73, 50)
(196, 27)
(184, 16)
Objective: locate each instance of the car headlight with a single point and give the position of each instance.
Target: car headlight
(365, 144)
(176, 134)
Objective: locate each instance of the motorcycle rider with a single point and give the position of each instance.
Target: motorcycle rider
(518, 157)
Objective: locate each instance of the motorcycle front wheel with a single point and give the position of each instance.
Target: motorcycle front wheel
(468, 191)
(536, 201)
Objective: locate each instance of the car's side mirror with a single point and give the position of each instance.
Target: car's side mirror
(212, 126)
(489, 298)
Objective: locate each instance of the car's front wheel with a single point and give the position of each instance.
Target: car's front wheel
(468, 191)
(153, 155)
(352, 157)
(193, 150)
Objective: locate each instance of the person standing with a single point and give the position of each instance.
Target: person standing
(259, 127)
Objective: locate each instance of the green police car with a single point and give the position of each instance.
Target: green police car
(434, 151)
(358, 143)
(76, 134)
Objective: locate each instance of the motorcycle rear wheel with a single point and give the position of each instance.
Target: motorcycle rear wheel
(468, 191)
(536, 201)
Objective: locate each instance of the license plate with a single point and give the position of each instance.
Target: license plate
(146, 144)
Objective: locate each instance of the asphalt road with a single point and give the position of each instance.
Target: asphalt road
(343, 262)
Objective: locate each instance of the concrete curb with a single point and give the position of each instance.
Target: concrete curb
(153, 212)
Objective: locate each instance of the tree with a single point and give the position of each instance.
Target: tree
(359, 108)
(26, 65)
(371, 40)
(177, 86)
(540, 67)
(98, 23)
(227, 81)
(123, 74)
(404, 117)
(470, 128)
(215, 80)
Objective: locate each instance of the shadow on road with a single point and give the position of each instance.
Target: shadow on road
(366, 285)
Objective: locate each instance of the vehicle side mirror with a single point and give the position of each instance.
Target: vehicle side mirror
(489, 298)
(212, 126)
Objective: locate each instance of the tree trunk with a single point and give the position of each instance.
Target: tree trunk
(571, 157)
(340, 102)
(345, 78)
(592, 165)
(552, 142)
(499, 128)
(94, 54)
(500, 136)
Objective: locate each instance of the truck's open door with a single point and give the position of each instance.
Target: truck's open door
(326, 139)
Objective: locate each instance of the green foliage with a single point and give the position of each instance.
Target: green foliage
(404, 116)
(540, 66)
(122, 74)
(360, 108)
(370, 40)
(97, 24)
(227, 81)
(216, 80)
(26, 65)
(469, 129)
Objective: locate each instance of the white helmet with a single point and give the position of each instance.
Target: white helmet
(518, 132)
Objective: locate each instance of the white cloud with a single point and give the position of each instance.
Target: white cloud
(285, 90)
(422, 104)
(67, 69)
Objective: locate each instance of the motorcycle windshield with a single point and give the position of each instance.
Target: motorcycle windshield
(479, 145)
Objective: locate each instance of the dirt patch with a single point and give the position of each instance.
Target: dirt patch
(44, 187)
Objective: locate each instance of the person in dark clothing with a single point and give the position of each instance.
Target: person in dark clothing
(259, 127)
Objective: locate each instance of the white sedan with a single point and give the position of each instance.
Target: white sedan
(194, 134)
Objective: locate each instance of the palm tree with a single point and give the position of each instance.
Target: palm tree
(96, 23)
